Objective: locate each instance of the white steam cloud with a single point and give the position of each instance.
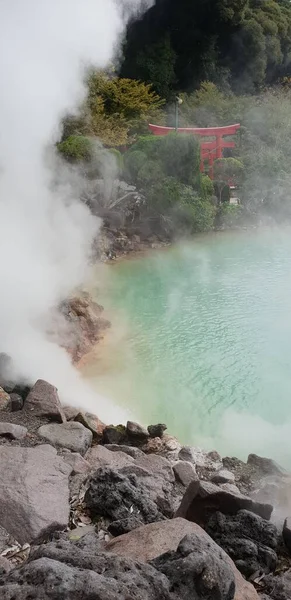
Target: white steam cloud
(46, 233)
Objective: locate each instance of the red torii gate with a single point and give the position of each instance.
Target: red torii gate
(209, 150)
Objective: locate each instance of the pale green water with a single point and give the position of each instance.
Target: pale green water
(207, 346)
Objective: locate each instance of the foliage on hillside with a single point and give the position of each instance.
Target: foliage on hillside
(243, 44)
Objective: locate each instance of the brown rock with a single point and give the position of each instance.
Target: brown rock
(93, 423)
(150, 541)
(12, 431)
(5, 402)
(185, 473)
(157, 466)
(200, 502)
(34, 493)
(43, 401)
(98, 456)
(153, 446)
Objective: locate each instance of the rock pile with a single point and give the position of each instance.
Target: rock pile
(94, 511)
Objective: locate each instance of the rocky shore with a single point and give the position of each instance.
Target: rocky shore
(89, 510)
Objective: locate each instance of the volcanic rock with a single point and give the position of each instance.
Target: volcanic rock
(99, 456)
(266, 465)
(287, 533)
(157, 465)
(117, 528)
(130, 450)
(248, 539)
(34, 494)
(78, 575)
(157, 430)
(93, 423)
(76, 461)
(14, 432)
(43, 401)
(223, 476)
(71, 435)
(200, 502)
(111, 494)
(5, 401)
(16, 402)
(136, 433)
(114, 434)
(185, 472)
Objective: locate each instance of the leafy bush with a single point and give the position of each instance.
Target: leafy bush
(207, 187)
(230, 215)
(76, 148)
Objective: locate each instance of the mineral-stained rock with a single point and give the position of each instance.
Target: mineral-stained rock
(43, 401)
(14, 432)
(93, 423)
(248, 539)
(16, 402)
(34, 494)
(5, 401)
(136, 433)
(266, 465)
(114, 434)
(99, 456)
(198, 504)
(185, 472)
(130, 450)
(157, 430)
(111, 494)
(77, 575)
(223, 476)
(71, 435)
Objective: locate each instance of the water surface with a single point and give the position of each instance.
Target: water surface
(201, 340)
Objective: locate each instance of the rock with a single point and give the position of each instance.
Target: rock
(223, 476)
(70, 412)
(6, 539)
(187, 453)
(153, 446)
(157, 430)
(278, 587)
(71, 435)
(93, 423)
(5, 402)
(75, 484)
(266, 465)
(229, 487)
(16, 402)
(34, 494)
(248, 539)
(76, 534)
(75, 574)
(77, 462)
(151, 541)
(5, 565)
(287, 533)
(99, 456)
(130, 450)
(200, 502)
(113, 495)
(11, 431)
(7, 374)
(114, 434)
(43, 401)
(157, 465)
(117, 528)
(185, 472)
(136, 433)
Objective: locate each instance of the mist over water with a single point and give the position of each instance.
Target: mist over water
(206, 341)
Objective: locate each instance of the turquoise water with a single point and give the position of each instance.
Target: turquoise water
(204, 341)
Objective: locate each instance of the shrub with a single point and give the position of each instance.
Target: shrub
(76, 147)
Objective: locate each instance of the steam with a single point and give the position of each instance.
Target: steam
(46, 233)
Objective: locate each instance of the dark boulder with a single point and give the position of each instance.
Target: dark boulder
(117, 496)
(114, 434)
(197, 570)
(199, 503)
(157, 430)
(248, 539)
(266, 465)
(124, 525)
(287, 534)
(136, 433)
(16, 402)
